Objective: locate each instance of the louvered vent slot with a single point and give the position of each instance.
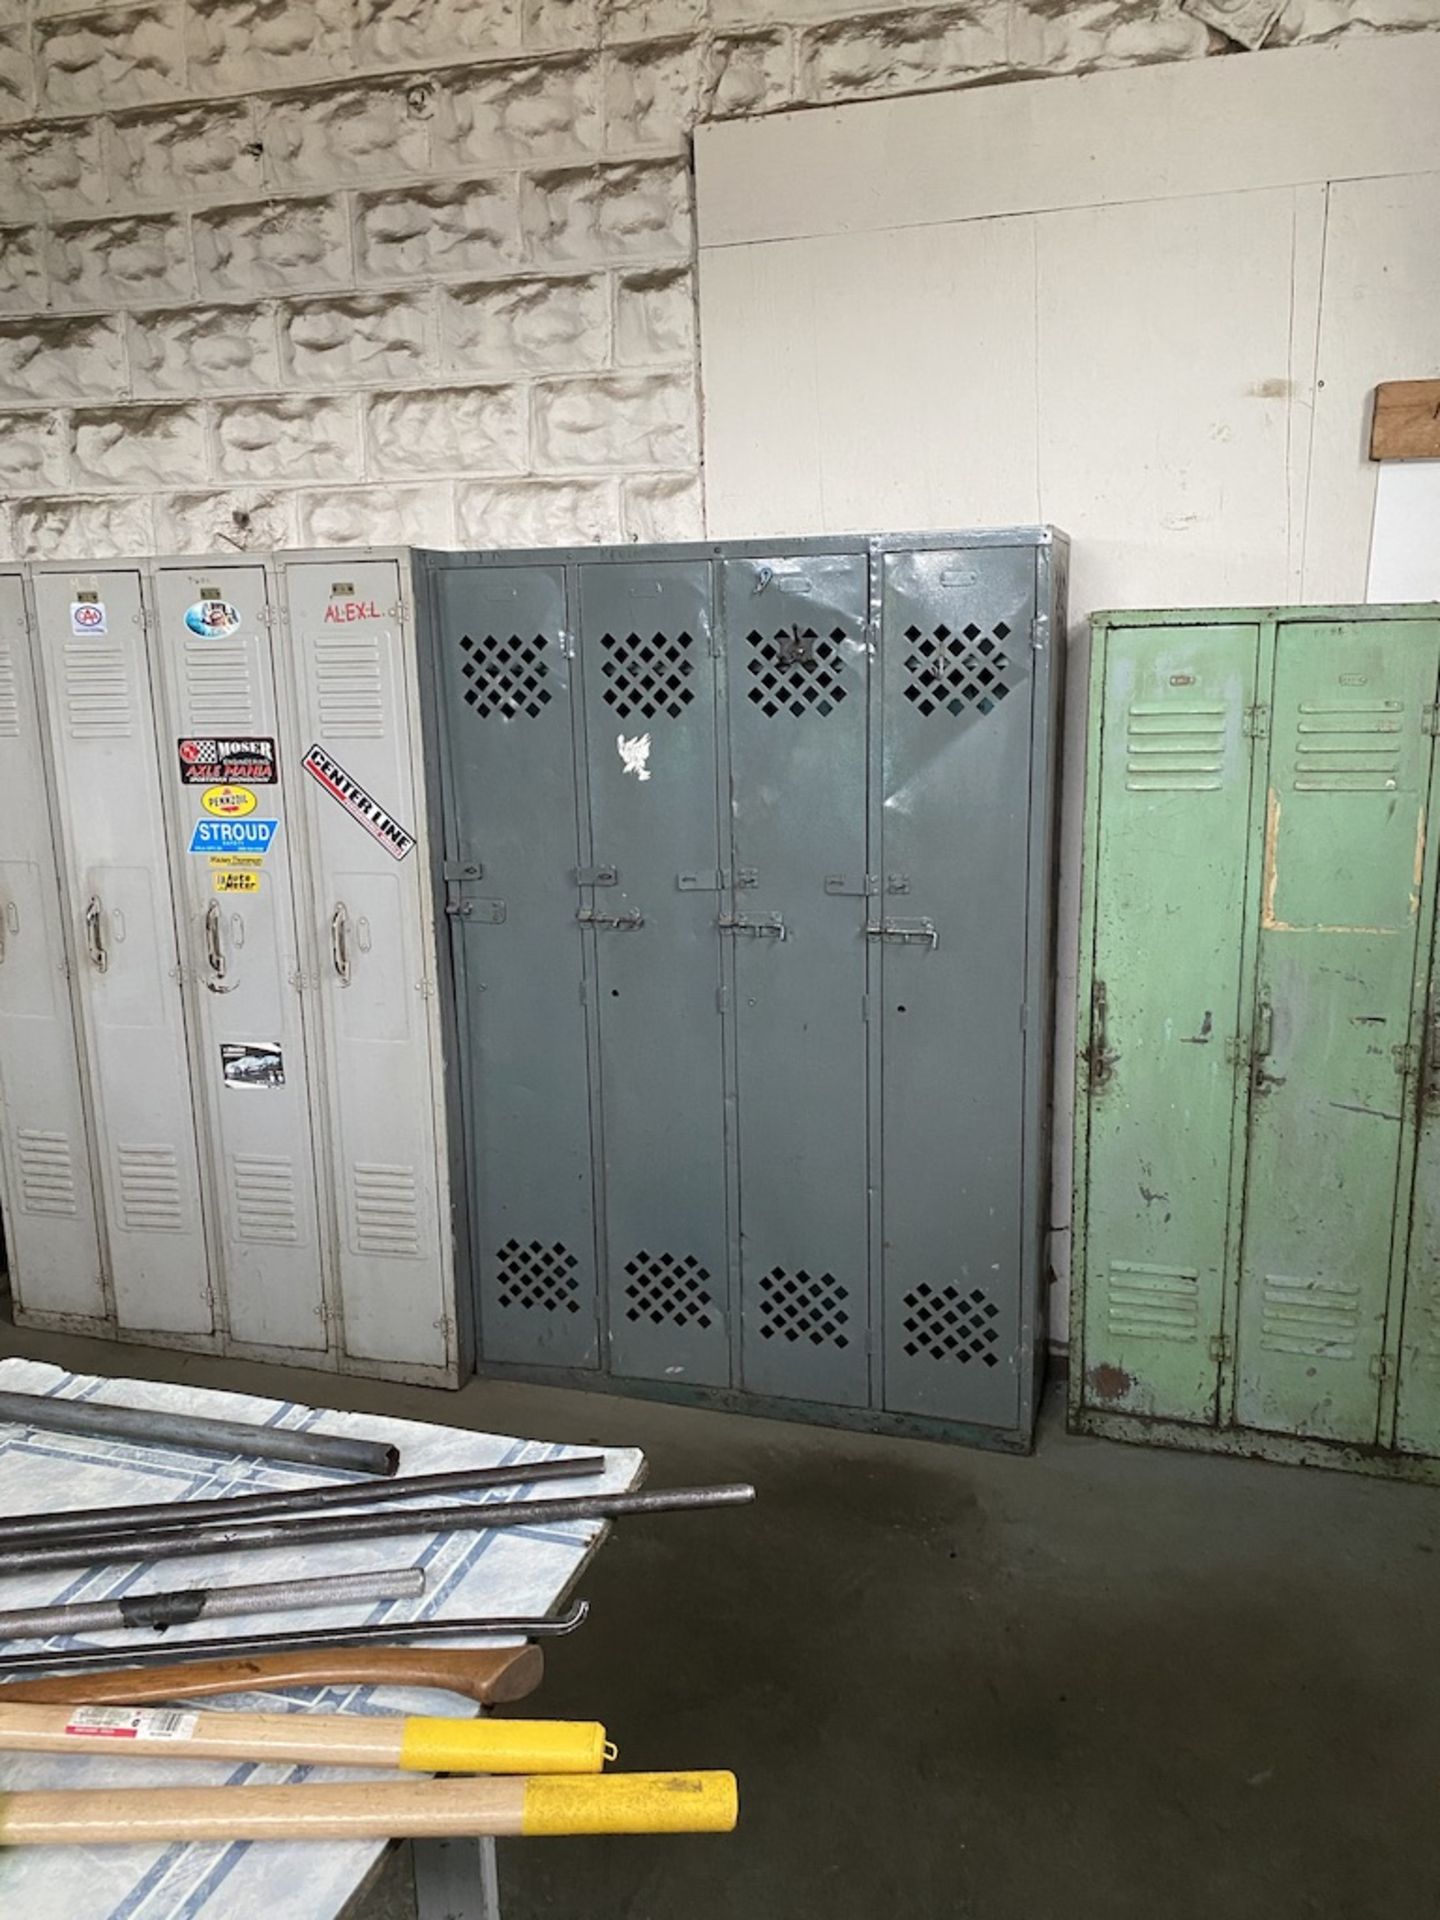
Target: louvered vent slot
(97, 691)
(647, 677)
(387, 1211)
(1153, 1303)
(803, 1307)
(1174, 749)
(957, 673)
(668, 1291)
(150, 1200)
(264, 1190)
(9, 694)
(948, 1323)
(47, 1172)
(796, 671)
(219, 690)
(537, 1278)
(348, 687)
(1318, 1318)
(1353, 748)
(506, 675)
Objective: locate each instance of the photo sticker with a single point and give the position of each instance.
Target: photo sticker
(212, 619)
(252, 1063)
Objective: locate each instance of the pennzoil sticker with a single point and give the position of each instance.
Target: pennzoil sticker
(245, 762)
(227, 802)
(379, 824)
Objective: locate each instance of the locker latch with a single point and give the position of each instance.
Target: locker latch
(597, 876)
(458, 874)
(768, 924)
(625, 922)
(859, 885)
(907, 932)
(705, 880)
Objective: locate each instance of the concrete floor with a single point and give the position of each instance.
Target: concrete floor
(1099, 1684)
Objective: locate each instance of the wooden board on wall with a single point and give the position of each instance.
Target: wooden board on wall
(1406, 422)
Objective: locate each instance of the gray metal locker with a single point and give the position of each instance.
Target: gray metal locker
(47, 1188)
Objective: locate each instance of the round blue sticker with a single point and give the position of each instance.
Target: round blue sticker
(215, 619)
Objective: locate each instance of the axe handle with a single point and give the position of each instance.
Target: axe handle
(491, 1676)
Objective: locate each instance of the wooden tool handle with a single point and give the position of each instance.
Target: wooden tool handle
(493, 1676)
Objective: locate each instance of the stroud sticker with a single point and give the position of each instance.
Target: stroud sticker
(88, 616)
(212, 619)
(252, 1063)
(228, 803)
(232, 836)
(379, 824)
(247, 762)
(236, 880)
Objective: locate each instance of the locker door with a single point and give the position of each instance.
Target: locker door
(1418, 1411)
(650, 724)
(950, 929)
(1344, 846)
(212, 647)
(797, 664)
(1170, 855)
(362, 805)
(503, 668)
(92, 649)
(51, 1235)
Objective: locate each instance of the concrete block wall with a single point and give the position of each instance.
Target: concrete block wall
(279, 272)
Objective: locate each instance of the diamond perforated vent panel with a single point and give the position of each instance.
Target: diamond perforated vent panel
(668, 1290)
(956, 673)
(648, 677)
(804, 1307)
(506, 675)
(538, 1278)
(796, 671)
(944, 1323)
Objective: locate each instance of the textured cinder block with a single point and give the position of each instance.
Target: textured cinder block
(137, 449)
(17, 73)
(654, 318)
(123, 57)
(249, 521)
(119, 263)
(83, 529)
(652, 96)
(202, 350)
(278, 246)
(236, 46)
(748, 73)
(34, 451)
(616, 420)
(377, 516)
(53, 170)
(526, 115)
(42, 361)
(22, 271)
(622, 20)
(325, 138)
(405, 33)
(1303, 20)
(639, 212)
(1046, 37)
(538, 513)
(362, 340)
(446, 430)
(903, 52)
(559, 23)
(197, 153)
(666, 506)
(459, 227)
(310, 439)
(504, 326)
(1246, 22)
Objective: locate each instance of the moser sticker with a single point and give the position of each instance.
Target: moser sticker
(232, 836)
(88, 616)
(252, 1063)
(214, 619)
(244, 762)
(228, 803)
(236, 880)
(379, 824)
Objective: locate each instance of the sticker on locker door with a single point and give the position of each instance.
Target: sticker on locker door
(236, 880)
(88, 616)
(212, 619)
(252, 1063)
(232, 836)
(246, 762)
(227, 802)
(360, 805)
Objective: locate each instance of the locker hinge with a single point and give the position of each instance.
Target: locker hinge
(566, 643)
(425, 989)
(865, 1008)
(1406, 1056)
(722, 1000)
(1257, 722)
(1380, 1367)
(1234, 1050)
(1220, 1348)
(1430, 719)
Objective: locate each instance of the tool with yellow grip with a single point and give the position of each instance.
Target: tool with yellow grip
(414, 1743)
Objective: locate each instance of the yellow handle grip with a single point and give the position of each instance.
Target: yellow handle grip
(632, 1803)
(502, 1746)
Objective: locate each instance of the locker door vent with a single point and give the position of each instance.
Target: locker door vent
(662, 1288)
(647, 677)
(1353, 748)
(795, 1306)
(539, 1279)
(264, 1189)
(1145, 1302)
(150, 1189)
(796, 672)
(945, 1324)
(507, 676)
(9, 695)
(1315, 1317)
(348, 695)
(218, 688)
(958, 672)
(47, 1172)
(1174, 748)
(97, 691)
(387, 1211)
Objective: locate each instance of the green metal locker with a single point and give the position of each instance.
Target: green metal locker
(1257, 1224)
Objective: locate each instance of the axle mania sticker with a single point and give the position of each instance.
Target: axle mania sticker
(248, 762)
(379, 824)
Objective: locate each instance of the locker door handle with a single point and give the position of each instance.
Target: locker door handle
(1100, 1057)
(95, 935)
(340, 944)
(215, 951)
(772, 925)
(1261, 1079)
(626, 922)
(907, 932)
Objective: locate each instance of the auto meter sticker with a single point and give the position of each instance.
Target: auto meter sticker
(232, 836)
(235, 880)
(379, 824)
(213, 619)
(228, 803)
(252, 1063)
(246, 762)
(88, 616)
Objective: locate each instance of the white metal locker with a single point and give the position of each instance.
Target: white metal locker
(362, 797)
(91, 633)
(211, 649)
(46, 1185)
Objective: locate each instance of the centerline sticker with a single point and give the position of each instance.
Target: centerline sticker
(360, 805)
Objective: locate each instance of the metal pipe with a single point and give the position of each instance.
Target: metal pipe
(367, 1526)
(388, 1632)
(89, 1523)
(152, 1427)
(180, 1606)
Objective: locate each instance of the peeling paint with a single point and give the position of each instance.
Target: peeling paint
(1109, 1383)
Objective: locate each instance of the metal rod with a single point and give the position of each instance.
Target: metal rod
(91, 1522)
(149, 1426)
(367, 1526)
(387, 1632)
(178, 1607)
